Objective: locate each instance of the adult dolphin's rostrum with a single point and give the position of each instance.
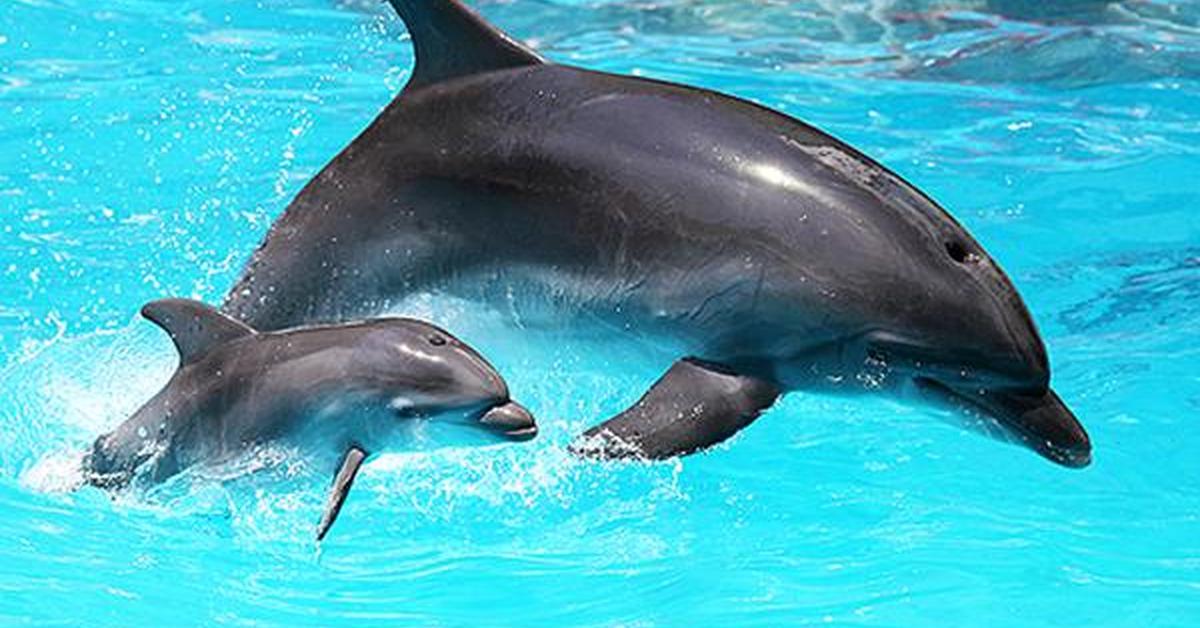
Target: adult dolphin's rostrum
(779, 257)
(343, 389)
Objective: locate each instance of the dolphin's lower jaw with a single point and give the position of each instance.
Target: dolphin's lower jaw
(1037, 419)
(511, 420)
(1047, 426)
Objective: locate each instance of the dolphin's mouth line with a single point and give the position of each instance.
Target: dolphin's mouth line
(525, 433)
(1009, 418)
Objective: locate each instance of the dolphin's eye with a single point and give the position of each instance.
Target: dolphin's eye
(437, 341)
(960, 254)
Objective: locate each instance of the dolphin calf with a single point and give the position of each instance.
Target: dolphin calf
(776, 256)
(344, 389)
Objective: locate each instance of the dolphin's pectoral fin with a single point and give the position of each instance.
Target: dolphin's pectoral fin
(693, 406)
(450, 41)
(194, 327)
(341, 487)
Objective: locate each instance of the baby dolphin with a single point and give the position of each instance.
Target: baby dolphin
(346, 386)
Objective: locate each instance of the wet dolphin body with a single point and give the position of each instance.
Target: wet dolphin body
(341, 388)
(778, 257)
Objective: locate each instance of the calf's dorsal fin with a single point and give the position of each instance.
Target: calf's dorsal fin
(450, 41)
(195, 327)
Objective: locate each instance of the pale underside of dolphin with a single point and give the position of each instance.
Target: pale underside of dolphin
(779, 257)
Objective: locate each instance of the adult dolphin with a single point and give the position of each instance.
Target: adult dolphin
(777, 256)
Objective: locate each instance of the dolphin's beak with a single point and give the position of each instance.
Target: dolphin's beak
(1045, 424)
(512, 420)
(1036, 419)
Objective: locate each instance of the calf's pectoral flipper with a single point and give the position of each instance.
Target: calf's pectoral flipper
(341, 487)
(693, 406)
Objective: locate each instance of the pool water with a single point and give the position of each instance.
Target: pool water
(146, 146)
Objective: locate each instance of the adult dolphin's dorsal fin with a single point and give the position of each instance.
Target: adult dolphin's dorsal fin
(695, 405)
(450, 41)
(351, 462)
(195, 327)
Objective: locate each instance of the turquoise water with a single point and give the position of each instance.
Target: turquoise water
(146, 146)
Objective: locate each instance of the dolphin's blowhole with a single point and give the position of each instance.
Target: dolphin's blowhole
(959, 253)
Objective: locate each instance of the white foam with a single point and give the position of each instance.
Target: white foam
(57, 472)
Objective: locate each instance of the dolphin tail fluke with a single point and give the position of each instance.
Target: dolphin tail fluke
(451, 41)
(341, 487)
(693, 406)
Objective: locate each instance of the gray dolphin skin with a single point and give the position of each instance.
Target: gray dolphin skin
(778, 257)
(344, 388)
